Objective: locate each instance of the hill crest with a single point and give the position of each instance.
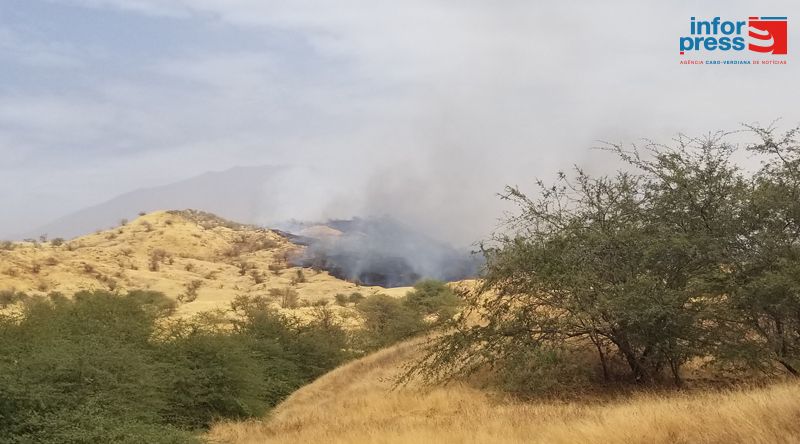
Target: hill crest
(201, 259)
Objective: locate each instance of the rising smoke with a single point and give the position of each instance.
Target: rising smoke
(381, 251)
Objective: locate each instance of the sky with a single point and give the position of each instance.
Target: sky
(421, 109)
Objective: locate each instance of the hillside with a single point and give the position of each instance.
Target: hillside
(198, 258)
(357, 404)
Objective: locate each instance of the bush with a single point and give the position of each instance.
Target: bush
(102, 367)
(299, 277)
(431, 297)
(356, 297)
(276, 268)
(248, 243)
(212, 376)
(157, 256)
(191, 291)
(289, 298)
(258, 277)
(387, 320)
(341, 299)
(534, 372)
(8, 297)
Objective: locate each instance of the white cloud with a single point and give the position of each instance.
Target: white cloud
(437, 103)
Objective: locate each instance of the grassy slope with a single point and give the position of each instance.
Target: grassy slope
(355, 404)
(200, 250)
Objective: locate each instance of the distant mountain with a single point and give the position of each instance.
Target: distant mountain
(241, 193)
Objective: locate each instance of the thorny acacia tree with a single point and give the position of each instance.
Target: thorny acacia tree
(681, 255)
(767, 293)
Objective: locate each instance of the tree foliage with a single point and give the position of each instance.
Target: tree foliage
(682, 254)
(388, 320)
(102, 367)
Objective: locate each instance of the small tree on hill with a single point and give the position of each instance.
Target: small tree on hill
(290, 298)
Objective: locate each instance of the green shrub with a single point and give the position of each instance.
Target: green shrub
(388, 320)
(431, 297)
(102, 367)
(211, 375)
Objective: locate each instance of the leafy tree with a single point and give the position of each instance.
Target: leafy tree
(680, 255)
(767, 267)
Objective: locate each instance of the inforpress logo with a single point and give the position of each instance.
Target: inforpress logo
(765, 35)
(768, 34)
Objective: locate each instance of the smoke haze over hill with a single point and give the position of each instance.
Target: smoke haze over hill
(383, 252)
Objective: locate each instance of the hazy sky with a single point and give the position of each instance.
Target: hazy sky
(422, 109)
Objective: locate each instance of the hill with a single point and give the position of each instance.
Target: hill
(203, 260)
(357, 403)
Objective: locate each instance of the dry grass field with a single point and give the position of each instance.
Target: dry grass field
(357, 404)
(171, 251)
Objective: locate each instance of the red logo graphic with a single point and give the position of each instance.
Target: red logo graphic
(768, 34)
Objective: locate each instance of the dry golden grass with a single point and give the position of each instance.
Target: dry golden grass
(355, 404)
(194, 250)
